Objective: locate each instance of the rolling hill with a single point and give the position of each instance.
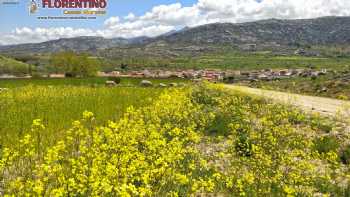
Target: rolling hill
(272, 33)
(319, 31)
(84, 43)
(13, 67)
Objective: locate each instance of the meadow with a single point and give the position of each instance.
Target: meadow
(92, 81)
(58, 102)
(235, 60)
(59, 106)
(259, 61)
(198, 140)
(225, 59)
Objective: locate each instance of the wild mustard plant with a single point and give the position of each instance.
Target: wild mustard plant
(165, 149)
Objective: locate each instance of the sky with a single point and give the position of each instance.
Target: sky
(133, 18)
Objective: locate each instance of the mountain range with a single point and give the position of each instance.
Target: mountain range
(261, 34)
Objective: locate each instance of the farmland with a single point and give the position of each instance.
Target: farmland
(58, 102)
(203, 139)
(93, 81)
(58, 107)
(233, 60)
(223, 60)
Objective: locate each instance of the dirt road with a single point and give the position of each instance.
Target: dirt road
(324, 106)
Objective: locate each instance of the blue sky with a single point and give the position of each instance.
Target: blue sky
(154, 17)
(12, 16)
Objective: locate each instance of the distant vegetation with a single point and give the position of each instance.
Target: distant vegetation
(88, 81)
(233, 60)
(74, 65)
(14, 67)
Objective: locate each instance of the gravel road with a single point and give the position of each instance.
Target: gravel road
(324, 106)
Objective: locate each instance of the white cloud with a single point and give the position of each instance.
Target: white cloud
(164, 18)
(130, 17)
(25, 34)
(112, 21)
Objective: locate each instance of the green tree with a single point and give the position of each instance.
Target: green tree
(74, 65)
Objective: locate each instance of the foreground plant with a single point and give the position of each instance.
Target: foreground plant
(188, 142)
(148, 152)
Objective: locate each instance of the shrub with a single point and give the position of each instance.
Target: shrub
(243, 146)
(342, 97)
(229, 79)
(36, 75)
(326, 144)
(220, 125)
(75, 64)
(322, 124)
(117, 80)
(345, 155)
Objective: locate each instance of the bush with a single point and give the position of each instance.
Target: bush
(13, 67)
(243, 145)
(75, 64)
(345, 155)
(220, 126)
(326, 144)
(230, 79)
(322, 124)
(342, 97)
(117, 80)
(36, 75)
(69, 75)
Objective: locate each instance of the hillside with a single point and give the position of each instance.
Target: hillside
(13, 67)
(84, 43)
(273, 34)
(319, 31)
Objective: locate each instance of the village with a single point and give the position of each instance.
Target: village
(213, 75)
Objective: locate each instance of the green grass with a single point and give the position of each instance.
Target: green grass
(99, 81)
(258, 61)
(221, 59)
(58, 106)
(237, 61)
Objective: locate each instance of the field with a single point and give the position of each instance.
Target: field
(258, 61)
(198, 140)
(93, 81)
(225, 59)
(58, 102)
(59, 106)
(236, 61)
